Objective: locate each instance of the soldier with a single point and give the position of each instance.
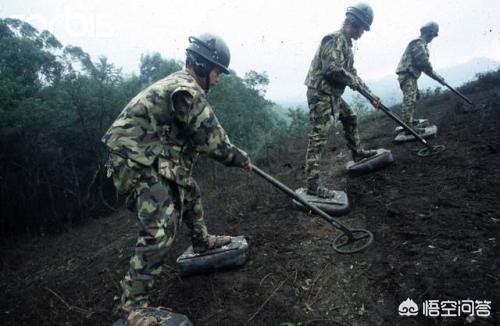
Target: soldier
(154, 143)
(330, 72)
(414, 61)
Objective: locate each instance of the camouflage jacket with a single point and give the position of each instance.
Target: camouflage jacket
(168, 124)
(332, 67)
(415, 60)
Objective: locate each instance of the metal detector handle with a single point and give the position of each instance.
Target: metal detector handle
(394, 117)
(300, 199)
(465, 98)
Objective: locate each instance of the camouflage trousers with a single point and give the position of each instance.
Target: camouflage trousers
(409, 87)
(321, 107)
(160, 205)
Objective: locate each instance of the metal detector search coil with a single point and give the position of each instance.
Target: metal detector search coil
(431, 150)
(355, 240)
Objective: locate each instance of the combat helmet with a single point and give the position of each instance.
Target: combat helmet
(360, 14)
(207, 51)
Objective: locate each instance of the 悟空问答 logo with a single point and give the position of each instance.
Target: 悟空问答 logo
(408, 308)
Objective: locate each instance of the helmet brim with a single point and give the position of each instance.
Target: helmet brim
(223, 69)
(360, 21)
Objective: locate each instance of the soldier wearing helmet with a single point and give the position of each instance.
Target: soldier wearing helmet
(331, 70)
(154, 143)
(414, 61)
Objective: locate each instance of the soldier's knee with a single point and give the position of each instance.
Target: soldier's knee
(323, 130)
(348, 119)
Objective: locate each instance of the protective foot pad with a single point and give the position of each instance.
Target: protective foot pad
(231, 255)
(428, 132)
(379, 161)
(335, 206)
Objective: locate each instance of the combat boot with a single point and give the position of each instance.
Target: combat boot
(321, 192)
(415, 124)
(122, 312)
(419, 131)
(212, 242)
(154, 316)
(421, 123)
(362, 154)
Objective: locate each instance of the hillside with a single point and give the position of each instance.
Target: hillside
(435, 221)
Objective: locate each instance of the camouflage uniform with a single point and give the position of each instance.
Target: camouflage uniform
(330, 72)
(414, 61)
(154, 144)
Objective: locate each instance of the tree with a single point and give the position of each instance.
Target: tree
(153, 67)
(257, 81)
(56, 106)
(245, 114)
(299, 125)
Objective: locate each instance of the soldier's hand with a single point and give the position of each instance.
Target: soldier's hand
(241, 159)
(248, 166)
(376, 102)
(355, 85)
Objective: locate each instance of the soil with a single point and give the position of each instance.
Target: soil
(435, 221)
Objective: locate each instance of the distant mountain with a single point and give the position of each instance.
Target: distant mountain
(388, 87)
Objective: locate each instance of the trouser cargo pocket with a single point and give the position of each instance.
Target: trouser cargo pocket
(125, 174)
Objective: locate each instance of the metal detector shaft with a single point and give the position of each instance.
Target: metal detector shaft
(465, 98)
(394, 117)
(301, 200)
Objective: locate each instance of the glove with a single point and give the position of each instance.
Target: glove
(376, 102)
(240, 158)
(356, 83)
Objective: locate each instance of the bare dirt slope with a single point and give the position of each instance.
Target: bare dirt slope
(435, 220)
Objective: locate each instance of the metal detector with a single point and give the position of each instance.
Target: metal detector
(348, 242)
(429, 150)
(462, 96)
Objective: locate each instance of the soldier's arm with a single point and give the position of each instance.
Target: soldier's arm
(204, 130)
(333, 62)
(421, 60)
(361, 83)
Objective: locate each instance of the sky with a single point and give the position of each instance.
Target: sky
(278, 37)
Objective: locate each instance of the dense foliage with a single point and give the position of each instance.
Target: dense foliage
(56, 103)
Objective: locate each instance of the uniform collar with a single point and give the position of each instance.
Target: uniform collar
(187, 73)
(423, 40)
(344, 34)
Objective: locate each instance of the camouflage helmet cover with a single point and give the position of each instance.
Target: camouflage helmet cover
(362, 13)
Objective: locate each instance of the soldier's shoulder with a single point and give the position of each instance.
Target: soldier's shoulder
(188, 97)
(175, 82)
(334, 39)
(181, 76)
(337, 35)
(417, 42)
